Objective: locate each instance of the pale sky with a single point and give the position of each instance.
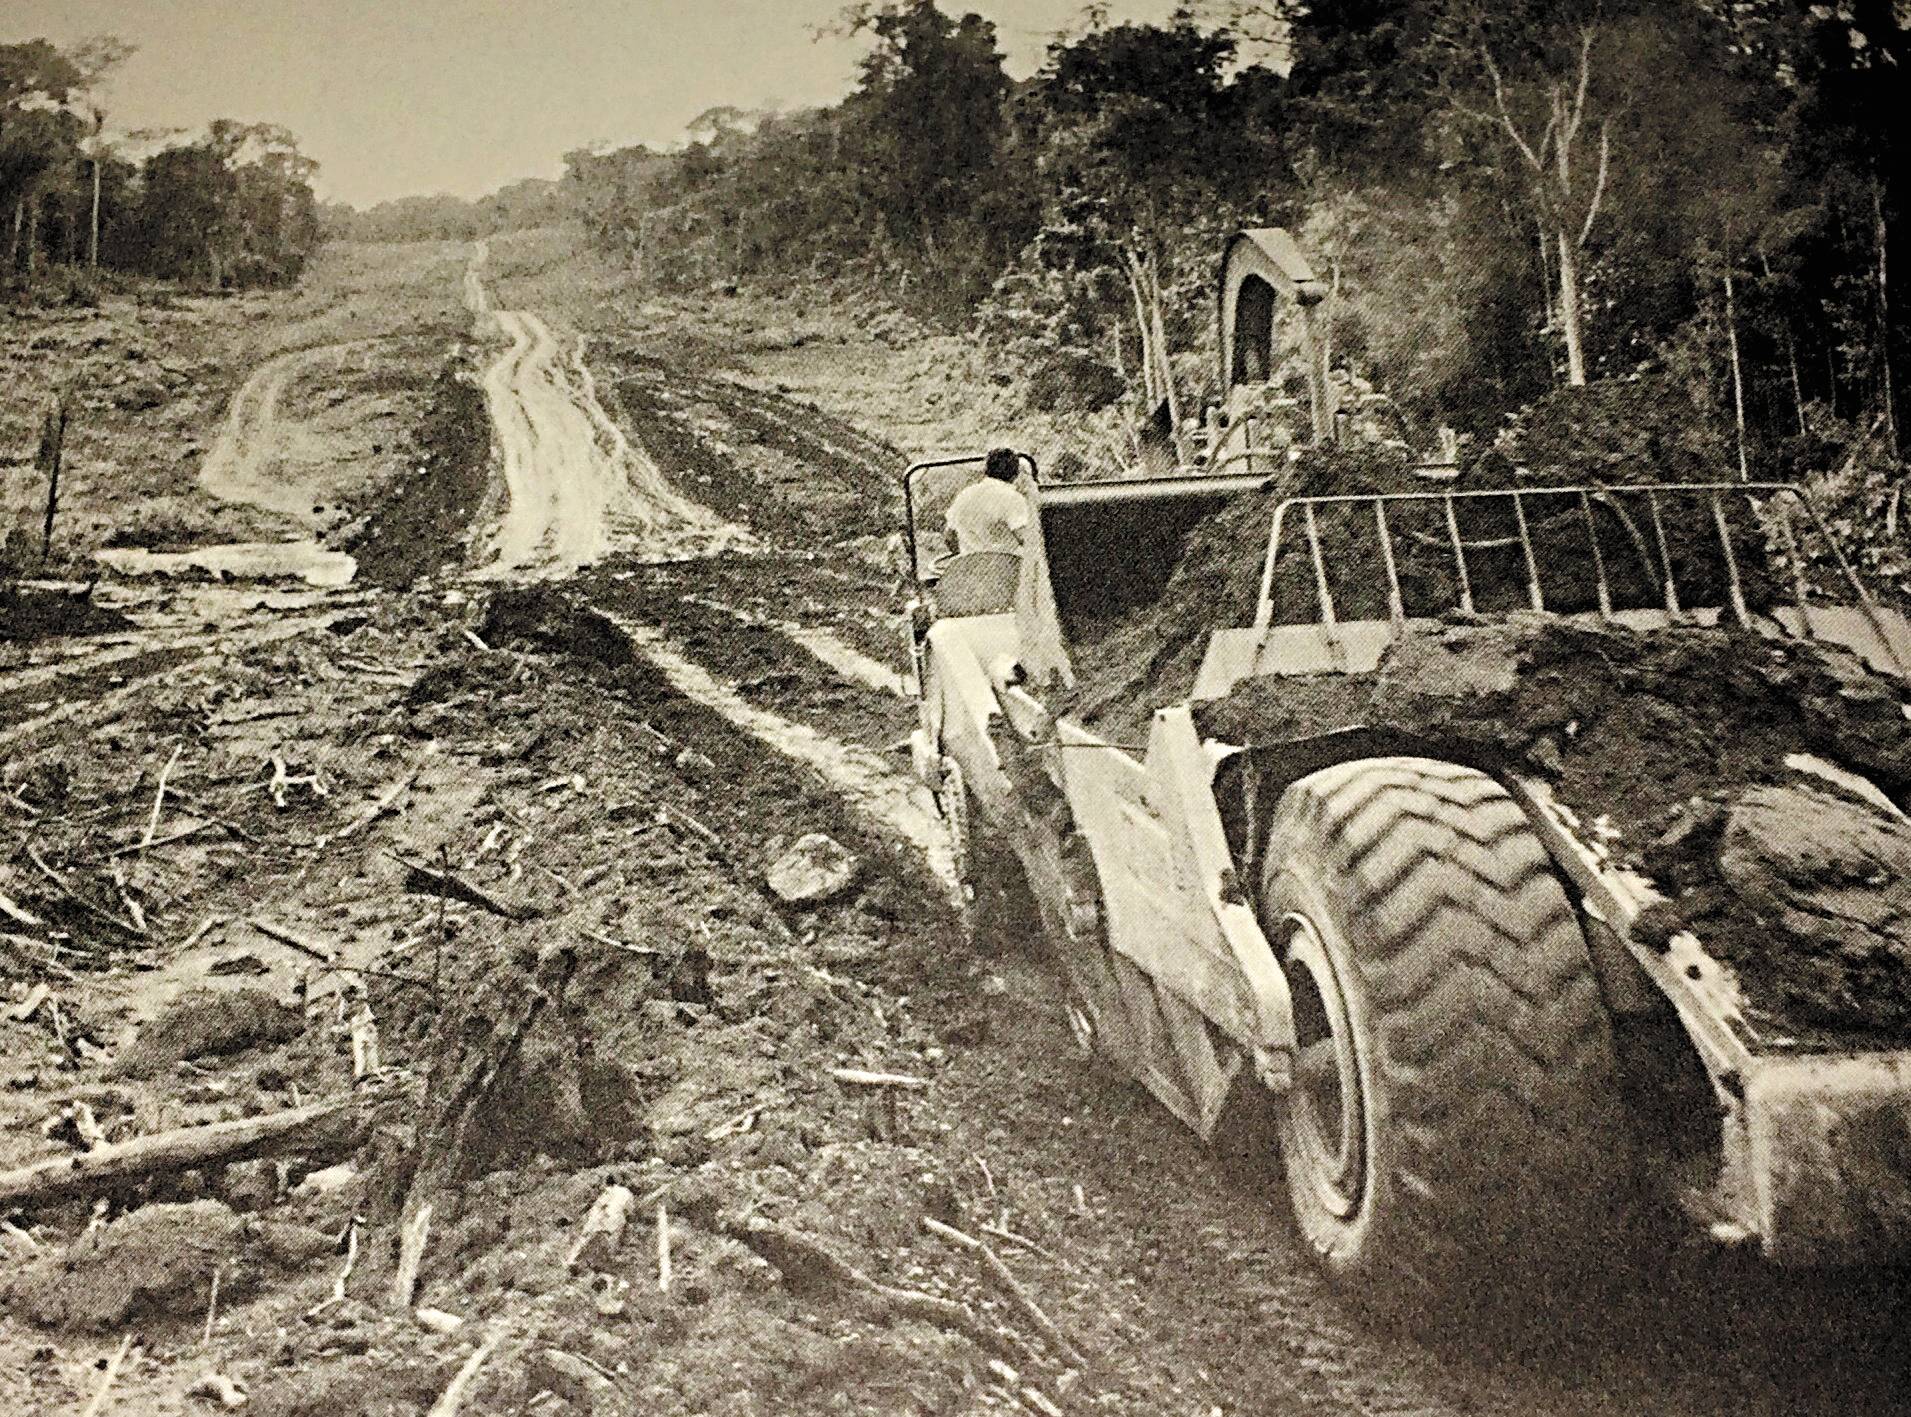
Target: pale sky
(395, 97)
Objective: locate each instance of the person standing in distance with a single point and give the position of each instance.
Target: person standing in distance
(989, 515)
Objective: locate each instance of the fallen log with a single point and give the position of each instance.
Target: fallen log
(318, 1127)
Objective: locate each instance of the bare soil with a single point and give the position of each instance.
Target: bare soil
(288, 402)
(489, 823)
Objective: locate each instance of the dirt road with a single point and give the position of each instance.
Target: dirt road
(241, 464)
(524, 826)
(574, 487)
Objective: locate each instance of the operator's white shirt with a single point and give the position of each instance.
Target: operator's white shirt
(988, 516)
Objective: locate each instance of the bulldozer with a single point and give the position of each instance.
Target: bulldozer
(1417, 969)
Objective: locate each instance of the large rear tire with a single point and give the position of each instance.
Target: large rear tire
(1454, 1120)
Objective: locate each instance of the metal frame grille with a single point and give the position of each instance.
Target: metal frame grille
(1779, 513)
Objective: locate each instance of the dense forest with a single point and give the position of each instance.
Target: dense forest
(1506, 198)
(518, 206)
(232, 206)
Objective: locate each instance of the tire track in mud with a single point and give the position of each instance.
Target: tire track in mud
(889, 800)
(827, 647)
(575, 488)
(238, 467)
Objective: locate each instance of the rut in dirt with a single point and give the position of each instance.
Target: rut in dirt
(891, 801)
(239, 466)
(575, 488)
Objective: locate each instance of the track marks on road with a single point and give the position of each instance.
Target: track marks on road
(239, 467)
(575, 487)
(850, 663)
(866, 779)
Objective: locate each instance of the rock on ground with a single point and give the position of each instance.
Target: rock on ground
(816, 869)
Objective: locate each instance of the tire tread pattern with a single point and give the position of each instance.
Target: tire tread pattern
(1495, 1047)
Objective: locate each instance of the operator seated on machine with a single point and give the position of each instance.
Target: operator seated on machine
(984, 526)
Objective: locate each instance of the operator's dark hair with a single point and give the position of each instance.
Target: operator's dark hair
(1002, 464)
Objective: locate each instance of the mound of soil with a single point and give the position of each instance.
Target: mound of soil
(415, 524)
(28, 615)
(1678, 739)
(203, 1022)
(153, 1267)
(1129, 665)
(1637, 429)
(541, 618)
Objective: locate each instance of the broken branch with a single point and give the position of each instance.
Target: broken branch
(1003, 1276)
(98, 1404)
(411, 1254)
(159, 798)
(861, 1077)
(146, 843)
(286, 937)
(682, 821)
(450, 883)
(454, 1394)
(81, 901)
(18, 913)
(384, 803)
(181, 1149)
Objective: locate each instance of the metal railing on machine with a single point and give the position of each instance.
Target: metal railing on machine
(1783, 514)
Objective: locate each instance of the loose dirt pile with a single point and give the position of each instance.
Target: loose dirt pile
(417, 521)
(1129, 665)
(28, 615)
(1674, 743)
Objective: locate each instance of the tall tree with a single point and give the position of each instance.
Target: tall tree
(96, 59)
(36, 80)
(927, 128)
(1556, 128)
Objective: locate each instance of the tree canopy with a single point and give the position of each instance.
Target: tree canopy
(1506, 197)
(231, 206)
